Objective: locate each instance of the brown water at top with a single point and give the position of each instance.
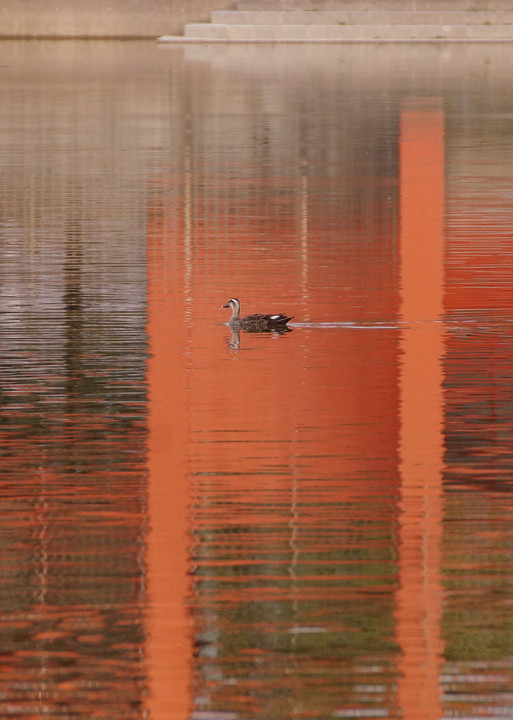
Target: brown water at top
(210, 525)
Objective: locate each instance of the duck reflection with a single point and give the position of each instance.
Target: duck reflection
(234, 341)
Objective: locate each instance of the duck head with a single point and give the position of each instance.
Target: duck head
(234, 304)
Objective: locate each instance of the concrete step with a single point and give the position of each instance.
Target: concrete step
(303, 33)
(363, 17)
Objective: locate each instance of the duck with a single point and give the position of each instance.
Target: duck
(256, 322)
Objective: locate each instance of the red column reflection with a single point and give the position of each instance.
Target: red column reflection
(421, 438)
(169, 643)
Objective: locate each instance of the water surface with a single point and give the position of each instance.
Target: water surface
(201, 525)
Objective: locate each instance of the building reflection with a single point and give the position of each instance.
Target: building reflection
(316, 551)
(169, 646)
(72, 399)
(260, 532)
(419, 598)
(276, 572)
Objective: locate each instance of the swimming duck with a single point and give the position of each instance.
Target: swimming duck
(256, 322)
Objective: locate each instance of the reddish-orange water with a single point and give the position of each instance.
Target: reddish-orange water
(205, 525)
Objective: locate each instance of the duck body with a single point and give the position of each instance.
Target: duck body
(256, 322)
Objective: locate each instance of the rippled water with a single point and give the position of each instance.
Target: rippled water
(205, 525)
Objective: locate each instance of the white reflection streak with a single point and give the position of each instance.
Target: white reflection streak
(32, 216)
(187, 236)
(304, 237)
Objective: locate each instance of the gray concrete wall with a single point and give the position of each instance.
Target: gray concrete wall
(102, 18)
(412, 5)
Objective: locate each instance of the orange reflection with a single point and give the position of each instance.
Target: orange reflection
(421, 437)
(293, 458)
(169, 643)
(292, 450)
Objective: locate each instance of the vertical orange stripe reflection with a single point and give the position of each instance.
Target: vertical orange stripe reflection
(421, 439)
(169, 643)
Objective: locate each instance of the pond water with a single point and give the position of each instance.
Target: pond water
(205, 525)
